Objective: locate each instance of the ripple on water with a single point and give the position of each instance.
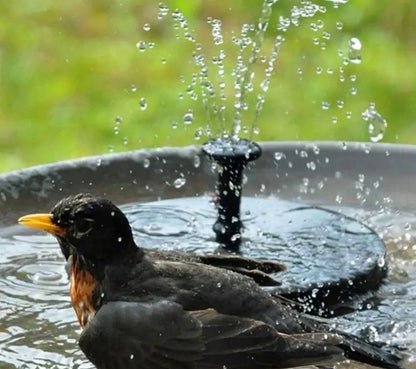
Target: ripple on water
(172, 227)
(39, 328)
(38, 323)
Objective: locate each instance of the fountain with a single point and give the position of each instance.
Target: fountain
(376, 191)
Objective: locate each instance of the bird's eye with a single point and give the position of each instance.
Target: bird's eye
(82, 227)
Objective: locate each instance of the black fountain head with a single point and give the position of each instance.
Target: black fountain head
(230, 151)
(232, 156)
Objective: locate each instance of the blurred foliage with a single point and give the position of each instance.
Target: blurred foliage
(71, 76)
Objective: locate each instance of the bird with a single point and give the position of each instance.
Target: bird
(155, 309)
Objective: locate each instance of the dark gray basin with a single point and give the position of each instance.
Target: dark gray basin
(323, 173)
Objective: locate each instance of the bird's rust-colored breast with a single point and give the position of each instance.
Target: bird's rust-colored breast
(81, 290)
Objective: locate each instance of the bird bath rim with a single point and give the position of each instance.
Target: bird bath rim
(331, 168)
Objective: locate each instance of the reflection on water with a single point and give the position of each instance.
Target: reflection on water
(39, 328)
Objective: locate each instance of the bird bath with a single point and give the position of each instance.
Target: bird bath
(331, 255)
(371, 182)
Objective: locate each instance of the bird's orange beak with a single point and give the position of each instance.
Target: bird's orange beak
(43, 222)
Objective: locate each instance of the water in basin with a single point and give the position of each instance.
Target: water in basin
(39, 328)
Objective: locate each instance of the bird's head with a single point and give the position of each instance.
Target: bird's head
(86, 226)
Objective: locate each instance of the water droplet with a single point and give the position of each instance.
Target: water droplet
(311, 165)
(339, 26)
(198, 134)
(174, 124)
(219, 285)
(338, 199)
(216, 32)
(381, 261)
(162, 11)
(143, 103)
(336, 3)
(325, 105)
(146, 163)
(354, 50)
(179, 182)
(314, 26)
(377, 125)
(133, 88)
(196, 161)
(188, 118)
(146, 27)
(235, 237)
(141, 45)
(326, 35)
(279, 155)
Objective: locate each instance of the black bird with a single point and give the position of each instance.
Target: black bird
(154, 309)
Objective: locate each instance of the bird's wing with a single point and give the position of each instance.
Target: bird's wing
(163, 336)
(260, 270)
(238, 343)
(146, 335)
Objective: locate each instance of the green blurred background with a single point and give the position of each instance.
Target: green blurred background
(72, 77)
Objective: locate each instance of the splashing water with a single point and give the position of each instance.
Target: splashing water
(248, 89)
(377, 125)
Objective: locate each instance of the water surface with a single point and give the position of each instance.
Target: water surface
(39, 328)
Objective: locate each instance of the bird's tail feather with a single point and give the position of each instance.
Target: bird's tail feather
(371, 353)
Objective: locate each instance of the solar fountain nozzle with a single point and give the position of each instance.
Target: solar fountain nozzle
(232, 156)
